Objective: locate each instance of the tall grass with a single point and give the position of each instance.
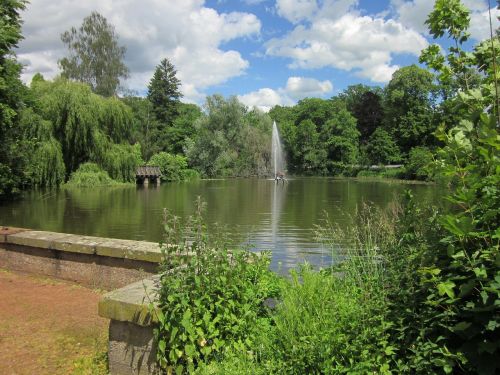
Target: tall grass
(332, 320)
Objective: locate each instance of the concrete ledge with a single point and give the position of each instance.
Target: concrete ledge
(116, 248)
(94, 261)
(130, 303)
(132, 348)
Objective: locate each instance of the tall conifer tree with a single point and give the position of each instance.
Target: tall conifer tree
(164, 93)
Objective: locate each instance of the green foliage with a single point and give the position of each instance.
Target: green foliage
(120, 160)
(419, 165)
(116, 120)
(182, 128)
(95, 56)
(409, 107)
(381, 148)
(89, 175)
(46, 168)
(320, 136)
(164, 92)
(74, 113)
(332, 321)
(214, 302)
(173, 167)
(230, 140)
(466, 281)
(456, 294)
(88, 127)
(365, 104)
(12, 94)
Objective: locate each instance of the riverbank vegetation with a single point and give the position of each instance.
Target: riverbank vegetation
(50, 128)
(411, 290)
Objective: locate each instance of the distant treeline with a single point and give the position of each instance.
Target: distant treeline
(50, 128)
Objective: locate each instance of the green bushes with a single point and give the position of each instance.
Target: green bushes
(90, 175)
(419, 165)
(381, 148)
(213, 301)
(173, 167)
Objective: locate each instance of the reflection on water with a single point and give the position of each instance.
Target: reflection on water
(258, 212)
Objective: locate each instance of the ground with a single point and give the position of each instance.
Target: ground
(49, 326)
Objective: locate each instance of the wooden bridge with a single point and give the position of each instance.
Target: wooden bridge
(148, 174)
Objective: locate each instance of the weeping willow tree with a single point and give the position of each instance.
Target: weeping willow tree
(119, 160)
(74, 112)
(45, 167)
(117, 120)
(87, 126)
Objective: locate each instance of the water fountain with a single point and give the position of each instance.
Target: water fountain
(277, 158)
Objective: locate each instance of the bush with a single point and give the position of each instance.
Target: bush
(419, 165)
(90, 175)
(342, 169)
(213, 301)
(173, 167)
(390, 173)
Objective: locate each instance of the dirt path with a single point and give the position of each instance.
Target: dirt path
(49, 326)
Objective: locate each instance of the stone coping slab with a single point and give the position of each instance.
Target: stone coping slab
(116, 248)
(4, 231)
(130, 303)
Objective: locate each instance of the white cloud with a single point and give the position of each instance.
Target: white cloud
(480, 24)
(352, 42)
(296, 10)
(300, 87)
(264, 99)
(186, 32)
(296, 88)
(413, 14)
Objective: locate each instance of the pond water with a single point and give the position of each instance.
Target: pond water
(258, 212)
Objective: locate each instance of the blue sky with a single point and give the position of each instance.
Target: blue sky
(267, 52)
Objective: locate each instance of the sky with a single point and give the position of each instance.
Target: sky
(267, 52)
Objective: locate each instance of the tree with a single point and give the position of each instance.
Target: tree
(409, 102)
(182, 128)
(369, 114)
(12, 94)
(95, 56)
(87, 126)
(381, 148)
(164, 92)
(229, 141)
(339, 136)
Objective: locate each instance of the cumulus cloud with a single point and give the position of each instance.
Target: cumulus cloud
(296, 88)
(296, 10)
(349, 41)
(414, 13)
(300, 87)
(186, 32)
(264, 99)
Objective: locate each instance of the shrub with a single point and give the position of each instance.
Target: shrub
(419, 165)
(90, 175)
(342, 169)
(213, 301)
(173, 167)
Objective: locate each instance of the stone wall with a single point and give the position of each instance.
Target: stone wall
(97, 262)
(132, 349)
(103, 263)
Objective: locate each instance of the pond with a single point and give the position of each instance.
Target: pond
(261, 213)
